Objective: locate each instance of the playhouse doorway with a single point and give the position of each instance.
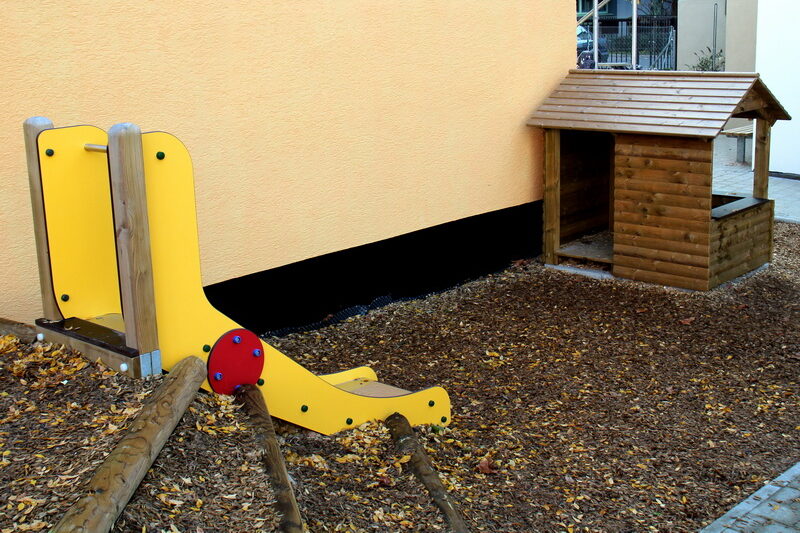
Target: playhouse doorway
(586, 199)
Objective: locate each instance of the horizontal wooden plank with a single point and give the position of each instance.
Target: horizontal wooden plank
(660, 278)
(636, 82)
(663, 152)
(612, 127)
(699, 191)
(655, 119)
(666, 245)
(622, 111)
(681, 165)
(578, 96)
(662, 255)
(676, 235)
(634, 104)
(659, 91)
(665, 73)
(665, 176)
(663, 267)
(662, 221)
(674, 200)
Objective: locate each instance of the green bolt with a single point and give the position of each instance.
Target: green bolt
(49, 152)
(431, 403)
(65, 297)
(444, 419)
(206, 348)
(304, 408)
(349, 421)
(160, 155)
(260, 382)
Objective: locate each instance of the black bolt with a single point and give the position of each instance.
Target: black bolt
(431, 403)
(349, 421)
(444, 419)
(260, 382)
(160, 155)
(304, 408)
(65, 297)
(49, 152)
(206, 348)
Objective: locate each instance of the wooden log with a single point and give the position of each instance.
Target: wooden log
(25, 332)
(552, 195)
(646, 219)
(653, 163)
(694, 237)
(664, 152)
(663, 267)
(660, 244)
(673, 257)
(406, 442)
(662, 175)
(660, 278)
(636, 184)
(673, 200)
(32, 128)
(271, 457)
(681, 213)
(116, 479)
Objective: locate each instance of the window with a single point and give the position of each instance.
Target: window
(584, 6)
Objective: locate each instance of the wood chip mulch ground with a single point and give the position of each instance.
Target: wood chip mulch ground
(578, 405)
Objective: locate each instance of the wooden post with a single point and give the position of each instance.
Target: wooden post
(32, 127)
(116, 479)
(552, 195)
(406, 442)
(271, 456)
(126, 170)
(761, 166)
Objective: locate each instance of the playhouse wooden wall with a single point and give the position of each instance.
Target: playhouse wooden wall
(662, 210)
(741, 242)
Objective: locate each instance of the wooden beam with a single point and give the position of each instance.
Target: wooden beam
(761, 170)
(128, 191)
(116, 479)
(552, 195)
(32, 127)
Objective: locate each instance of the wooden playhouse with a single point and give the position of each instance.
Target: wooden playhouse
(628, 174)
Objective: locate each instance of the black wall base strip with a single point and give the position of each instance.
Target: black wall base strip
(325, 289)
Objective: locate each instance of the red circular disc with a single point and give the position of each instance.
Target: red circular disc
(237, 358)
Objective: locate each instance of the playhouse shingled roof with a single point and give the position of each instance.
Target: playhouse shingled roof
(695, 104)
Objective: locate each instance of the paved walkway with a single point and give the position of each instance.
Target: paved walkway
(731, 177)
(774, 508)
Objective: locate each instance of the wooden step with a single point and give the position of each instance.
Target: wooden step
(372, 389)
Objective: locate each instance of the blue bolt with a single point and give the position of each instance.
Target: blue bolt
(218, 376)
(237, 339)
(257, 352)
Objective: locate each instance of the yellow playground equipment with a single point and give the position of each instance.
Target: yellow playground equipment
(119, 268)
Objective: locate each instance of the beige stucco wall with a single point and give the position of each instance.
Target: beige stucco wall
(696, 29)
(740, 36)
(315, 126)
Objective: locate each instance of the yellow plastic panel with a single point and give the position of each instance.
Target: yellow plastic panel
(79, 220)
(187, 321)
